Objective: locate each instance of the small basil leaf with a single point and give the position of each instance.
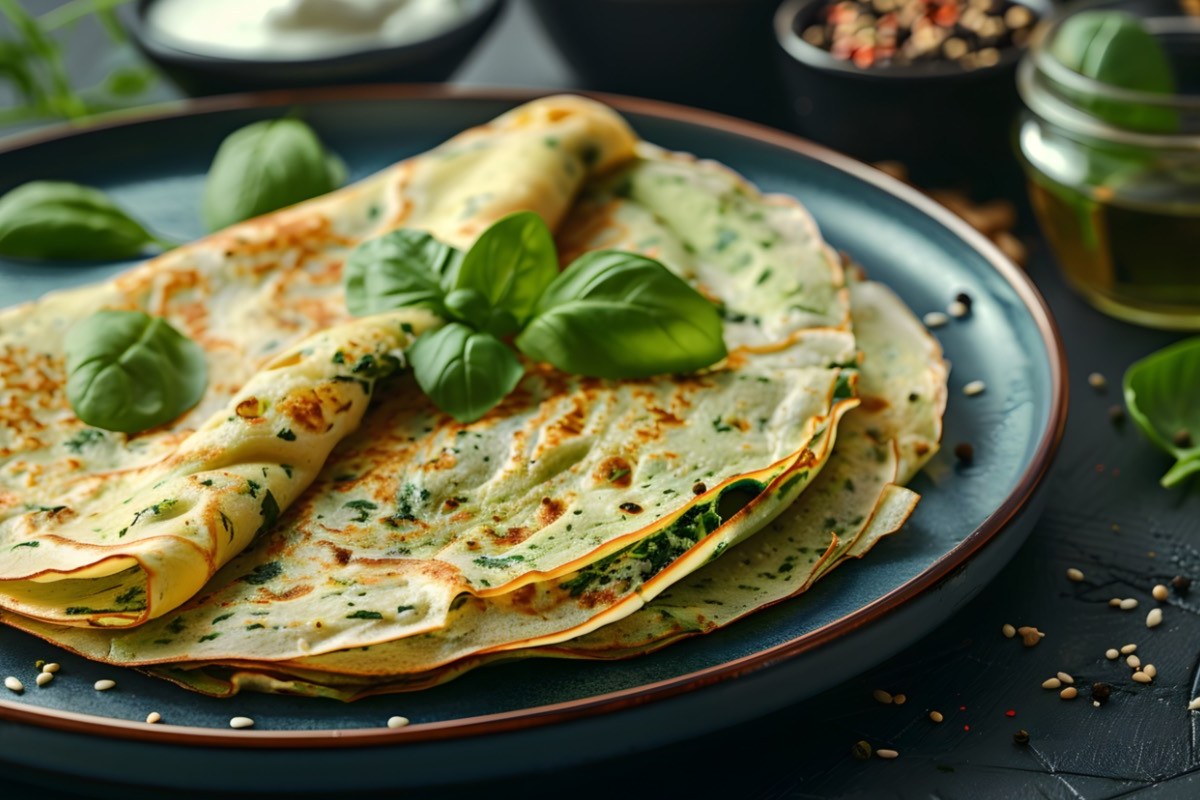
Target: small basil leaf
(620, 315)
(128, 371)
(511, 263)
(463, 372)
(266, 166)
(467, 305)
(396, 270)
(54, 219)
(1161, 391)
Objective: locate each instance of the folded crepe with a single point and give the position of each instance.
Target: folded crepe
(404, 543)
(855, 501)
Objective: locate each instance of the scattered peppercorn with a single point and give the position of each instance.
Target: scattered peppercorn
(862, 750)
(1101, 692)
(1116, 415)
(965, 453)
(1181, 584)
(699, 488)
(1182, 438)
(965, 299)
(1021, 737)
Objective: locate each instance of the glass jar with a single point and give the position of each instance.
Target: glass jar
(1114, 173)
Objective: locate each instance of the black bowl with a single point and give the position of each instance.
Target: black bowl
(427, 60)
(715, 54)
(948, 125)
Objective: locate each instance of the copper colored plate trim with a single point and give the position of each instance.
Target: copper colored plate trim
(951, 561)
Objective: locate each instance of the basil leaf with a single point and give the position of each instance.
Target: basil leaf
(266, 166)
(620, 315)
(399, 269)
(463, 372)
(510, 264)
(59, 220)
(128, 371)
(1161, 391)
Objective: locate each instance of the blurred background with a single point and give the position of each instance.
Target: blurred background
(1085, 115)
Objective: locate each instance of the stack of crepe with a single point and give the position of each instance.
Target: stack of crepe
(314, 527)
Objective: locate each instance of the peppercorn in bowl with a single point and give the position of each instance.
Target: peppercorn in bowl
(930, 83)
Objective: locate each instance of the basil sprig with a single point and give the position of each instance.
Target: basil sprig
(128, 371)
(60, 220)
(609, 314)
(266, 166)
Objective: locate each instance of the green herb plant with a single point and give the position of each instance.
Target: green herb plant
(1162, 392)
(609, 314)
(128, 371)
(32, 63)
(60, 220)
(266, 166)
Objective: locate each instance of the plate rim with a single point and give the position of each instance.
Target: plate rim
(945, 566)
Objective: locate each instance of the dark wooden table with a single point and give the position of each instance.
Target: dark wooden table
(1106, 516)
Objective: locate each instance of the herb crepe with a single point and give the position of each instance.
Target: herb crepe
(574, 500)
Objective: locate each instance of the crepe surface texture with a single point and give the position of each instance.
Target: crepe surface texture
(381, 545)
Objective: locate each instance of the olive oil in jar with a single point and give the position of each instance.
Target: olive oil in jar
(1134, 253)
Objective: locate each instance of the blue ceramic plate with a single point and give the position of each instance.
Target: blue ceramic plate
(523, 717)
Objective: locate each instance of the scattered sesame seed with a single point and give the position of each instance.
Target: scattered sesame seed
(51, 667)
(1095, 704)
(936, 716)
(13, 685)
(965, 453)
(1115, 602)
(241, 722)
(1160, 593)
(862, 750)
(1116, 415)
(1021, 737)
(1133, 661)
(1154, 618)
(935, 319)
(153, 717)
(1097, 382)
(104, 685)
(1128, 648)
(973, 388)
(1194, 705)
(1111, 654)
(44, 677)
(1065, 678)
(1008, 630)
(885, 753)
(882, 696)
(1129, 603)
(1051, 683)
(1141, 677)
(1069, 693)
(1150, 670)
(1181, 584)
(899, 699)
(397, 722)
(957, 309)
(1074, 575)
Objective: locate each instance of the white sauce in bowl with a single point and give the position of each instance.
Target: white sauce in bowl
(287, 30)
